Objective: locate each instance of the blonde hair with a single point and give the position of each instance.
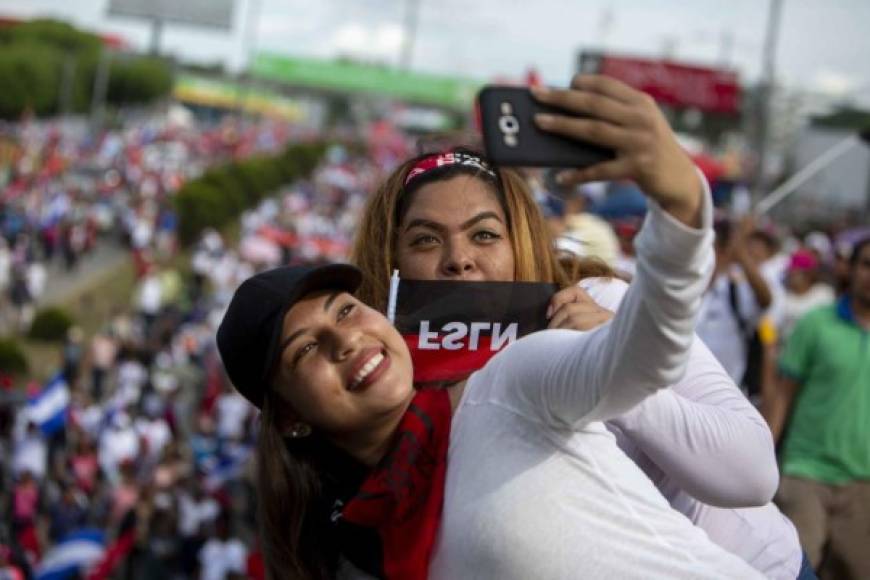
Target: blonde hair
(535, 260)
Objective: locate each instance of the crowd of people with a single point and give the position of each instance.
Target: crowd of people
(155, 440)
(779, 315)
(68, 188)
(156, 445)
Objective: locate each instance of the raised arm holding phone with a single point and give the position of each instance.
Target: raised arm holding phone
(706, 448)
(511, 473)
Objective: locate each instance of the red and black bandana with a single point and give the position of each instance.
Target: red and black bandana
(402, 498)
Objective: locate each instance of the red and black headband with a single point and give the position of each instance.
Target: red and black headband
(448, 158)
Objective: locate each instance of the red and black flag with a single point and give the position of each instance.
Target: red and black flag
(453, 328)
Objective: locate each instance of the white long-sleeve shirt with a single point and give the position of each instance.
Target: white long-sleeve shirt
(536, 485)
(703, 444)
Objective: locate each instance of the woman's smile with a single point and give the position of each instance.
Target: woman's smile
(369, 366)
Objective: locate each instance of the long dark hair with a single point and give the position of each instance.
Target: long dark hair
(293, 509)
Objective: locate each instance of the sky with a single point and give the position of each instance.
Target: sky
(823, 46)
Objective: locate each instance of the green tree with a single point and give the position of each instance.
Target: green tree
(52, 33)
(34, 57)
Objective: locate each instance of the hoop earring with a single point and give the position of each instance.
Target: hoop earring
(300, 430)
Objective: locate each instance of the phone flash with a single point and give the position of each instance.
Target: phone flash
(506, 108)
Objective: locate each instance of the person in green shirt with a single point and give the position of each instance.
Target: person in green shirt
(821, 411)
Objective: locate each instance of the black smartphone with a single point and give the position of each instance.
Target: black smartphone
(511, 137)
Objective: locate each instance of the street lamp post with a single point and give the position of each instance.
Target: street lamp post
(249, 42)
(412, 13)
(824, 160)
(765, 92)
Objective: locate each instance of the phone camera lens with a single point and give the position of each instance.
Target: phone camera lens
(509, 125)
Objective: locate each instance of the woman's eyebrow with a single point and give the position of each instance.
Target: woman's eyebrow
(290, 339)
(327, 304)
(421, 223)
(484, 215)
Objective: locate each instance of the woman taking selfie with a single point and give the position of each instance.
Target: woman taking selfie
(352, 461)
(456, 217)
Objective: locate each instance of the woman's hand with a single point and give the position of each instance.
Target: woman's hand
(573, 309)
(629, 122)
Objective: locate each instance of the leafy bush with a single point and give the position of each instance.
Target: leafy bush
(138, 81)
(198, 205)
(12, 359)
(50, 324)
(236, 196)
(222, 193)
(260, 174)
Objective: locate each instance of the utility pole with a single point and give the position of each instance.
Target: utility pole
(156, 34)
(605, 25)
(726, 48)
(67, 85)
(249, 42)
(101, 87)
(669, 44)
(412, 13)
(765, 92)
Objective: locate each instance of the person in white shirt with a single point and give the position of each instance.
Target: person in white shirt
(691, 440)
(195, 510)
(149, 298)
(30, 453)
(232, 414)
(223, 557)
(704, 446)
(739, 295)
(535, 485)
(36, 279)
(154, 433)
(117, 444)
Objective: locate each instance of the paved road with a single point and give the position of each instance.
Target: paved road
(107, 257)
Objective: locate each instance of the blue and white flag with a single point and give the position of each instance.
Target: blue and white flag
(48, 409)
(77, 552)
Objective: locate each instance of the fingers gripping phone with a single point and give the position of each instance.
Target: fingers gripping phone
(511, 137)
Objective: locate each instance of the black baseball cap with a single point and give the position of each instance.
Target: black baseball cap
(249, 335)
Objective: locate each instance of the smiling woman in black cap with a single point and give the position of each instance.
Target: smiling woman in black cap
(352, 461)
(344, 469)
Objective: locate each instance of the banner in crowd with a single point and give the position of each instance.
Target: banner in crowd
(454, 328)
(671, 83)
(360, 78)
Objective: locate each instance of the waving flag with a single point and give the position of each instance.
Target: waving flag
(71, 556)
(453, 328)
(48, 408)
